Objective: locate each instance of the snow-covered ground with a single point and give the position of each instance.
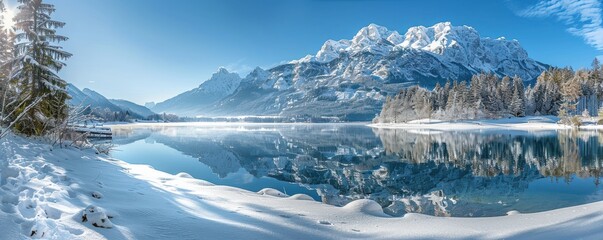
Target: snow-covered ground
(47, 192)
(518, 123)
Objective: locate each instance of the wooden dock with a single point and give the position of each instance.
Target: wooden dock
(93, 132)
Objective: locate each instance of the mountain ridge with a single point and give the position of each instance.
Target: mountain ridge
(221, 84)
(351, 78)
(102, 107)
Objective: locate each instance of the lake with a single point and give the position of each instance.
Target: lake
(441, 173)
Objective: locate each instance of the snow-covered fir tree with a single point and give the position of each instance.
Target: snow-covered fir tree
(6, 54)
(35, 66)
(517, 107)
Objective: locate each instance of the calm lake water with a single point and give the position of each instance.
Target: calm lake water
(468, 173)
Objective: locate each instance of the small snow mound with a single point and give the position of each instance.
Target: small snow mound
(184, 175)
(301, 196)
(96, 216)
(366, 206)
(272, 192)
(511, 213)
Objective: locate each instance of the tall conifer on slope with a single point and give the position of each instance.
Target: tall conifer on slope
(6, 37)
(36, 65)
(518, 106)
(6, 53)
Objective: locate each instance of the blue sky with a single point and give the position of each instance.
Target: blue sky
(151, 50)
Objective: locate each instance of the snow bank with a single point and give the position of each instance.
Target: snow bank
(272, 192)
(301, 196)
(55, 195)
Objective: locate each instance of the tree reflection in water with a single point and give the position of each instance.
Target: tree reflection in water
(433, 172)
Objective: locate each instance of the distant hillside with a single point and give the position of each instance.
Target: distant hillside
(133, 107)
(105, 109)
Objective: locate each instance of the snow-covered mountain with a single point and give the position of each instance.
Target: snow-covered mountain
(89, 98)
(196, 101)
(350, 78)
(101, 106)
(132, 107)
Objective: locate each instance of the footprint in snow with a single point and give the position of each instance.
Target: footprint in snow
(323, 222)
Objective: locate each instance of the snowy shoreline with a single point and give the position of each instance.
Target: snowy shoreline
(44, 191)
(531, 123)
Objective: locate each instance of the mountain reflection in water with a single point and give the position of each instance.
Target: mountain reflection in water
(481, 173)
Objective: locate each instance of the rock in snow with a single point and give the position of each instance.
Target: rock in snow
(96, 216)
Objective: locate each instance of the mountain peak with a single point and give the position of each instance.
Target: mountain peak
(372, 38)
(222, 70)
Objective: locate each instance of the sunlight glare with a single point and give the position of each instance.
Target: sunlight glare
(8, 19)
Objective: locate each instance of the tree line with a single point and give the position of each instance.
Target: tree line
(32, 94)
(561, 92)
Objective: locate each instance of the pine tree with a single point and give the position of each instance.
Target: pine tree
(464, 100)
(530, 101)
(6, 40)
(517, 107)
(595, 69)
(6, 51)
(475, 100)
(36, 65)
(443, 99)
(437, 91)
(506, 91)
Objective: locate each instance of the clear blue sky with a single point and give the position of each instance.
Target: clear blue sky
(151, 50)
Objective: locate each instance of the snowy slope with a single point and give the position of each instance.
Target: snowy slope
(196, 101)
(45, 194)
(132, 107)
(350, 78)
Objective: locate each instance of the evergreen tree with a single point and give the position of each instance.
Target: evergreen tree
(36, 65)
(437, 91)
(595, 69)
(517, 107)
(506, 91)
(6, 41)
(530, 101)
(443, 99)
(463, 100)
(6, 51)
